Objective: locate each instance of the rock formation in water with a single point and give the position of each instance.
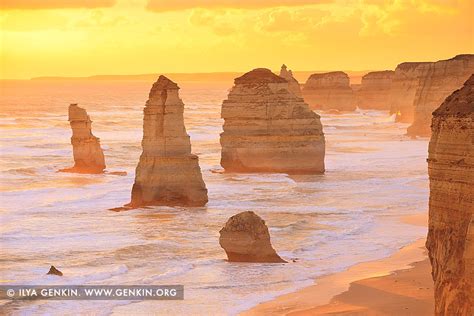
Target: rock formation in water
(88, 155)
(451, 216)
(167, 173)
(269, 129)
(329, 90)
(405, 83)
(245, 238)
(374, 91)
(439, 80)
(54, 271)
(293, 84)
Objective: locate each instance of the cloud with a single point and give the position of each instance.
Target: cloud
(53, 4)
(175, 5)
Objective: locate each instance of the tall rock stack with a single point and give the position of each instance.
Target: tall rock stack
(269, 129)
(167, 173)
(329, 90)
(439, 80)
(88, 155)
(374, 91)
(405, 84)
(451, 217)
(293, 84)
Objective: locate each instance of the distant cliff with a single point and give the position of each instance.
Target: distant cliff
(374, 90)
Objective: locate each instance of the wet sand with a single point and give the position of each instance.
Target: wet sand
(398, 285)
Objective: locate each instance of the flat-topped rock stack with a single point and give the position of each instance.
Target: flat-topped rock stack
(438, 81)
(88, 155)
(293, 84)
(374, 90)
(267, 128)
(451, 216)
(329, 90)
(167, 173)
(405, 83)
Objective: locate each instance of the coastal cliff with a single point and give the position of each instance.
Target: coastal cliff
(438, 81)
(88, 155)
(167, 173)
(451, 216)
(267, 128)
(374, 90)
(329, 90)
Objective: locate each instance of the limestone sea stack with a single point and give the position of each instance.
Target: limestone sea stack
(167, 173)
(245, 238)
(88, 155)
(293, 84)
(329, 90)
(451, 216)
(439, 80)
(267, 128)
(374, 90)
(405, 83)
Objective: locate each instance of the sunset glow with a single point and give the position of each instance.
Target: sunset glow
(82, 38)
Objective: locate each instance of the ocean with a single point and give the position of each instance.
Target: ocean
(324, 223)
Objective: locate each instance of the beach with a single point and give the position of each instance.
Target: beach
(398, 285)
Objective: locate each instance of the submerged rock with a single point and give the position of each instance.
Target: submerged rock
(374, 90)
(293, 84)
(167, 173)
(267, 128)
(438, 81)
(54, 271)
(245, 238)
(329, 90)
(88, 155)
(451, 216)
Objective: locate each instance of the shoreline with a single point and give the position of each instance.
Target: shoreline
(400, 283)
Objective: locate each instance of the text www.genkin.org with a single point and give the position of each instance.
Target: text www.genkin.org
(92, 292)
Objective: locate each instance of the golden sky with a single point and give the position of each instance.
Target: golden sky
(89, 37)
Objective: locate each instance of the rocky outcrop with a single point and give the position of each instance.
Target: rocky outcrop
(54, 271)
(167, 173)
(88, 155)
(439, 80)
(451, 216)
(245, 238)
(269, 129)
(329, 90)
(374, 91)
(293, 84)
(405, 84)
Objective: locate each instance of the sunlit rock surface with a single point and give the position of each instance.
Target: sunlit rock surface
(88, 155)
(451, 216)
(374, 90)
(267, 128)
(329, 90)
(167, 173)
(438, 81)
(245, 238)
(293, 84)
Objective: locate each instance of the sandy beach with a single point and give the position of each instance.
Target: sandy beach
(398, 285)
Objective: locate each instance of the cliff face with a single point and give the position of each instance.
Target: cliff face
(405, 83)
(439, 80)
(374, 91)
(167, 173)
(451, 217)
(88, 155)
(269, 129)
(245, 238)
(329, 90)
(293, 84)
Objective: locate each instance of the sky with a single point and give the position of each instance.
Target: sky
(107, 37)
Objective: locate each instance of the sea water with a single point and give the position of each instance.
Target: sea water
(321, 224)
